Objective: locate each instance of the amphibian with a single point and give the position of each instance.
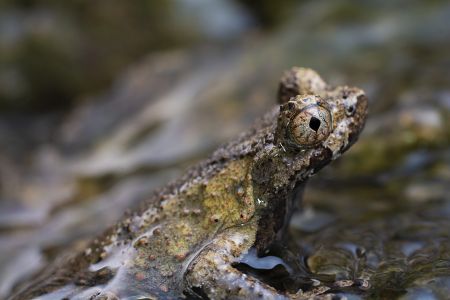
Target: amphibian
(184, 240)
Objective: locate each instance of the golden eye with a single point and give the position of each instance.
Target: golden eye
(311, 126)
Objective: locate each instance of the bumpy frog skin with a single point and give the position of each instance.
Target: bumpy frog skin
(184, 240)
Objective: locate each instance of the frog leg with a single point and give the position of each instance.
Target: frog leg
(211, 276)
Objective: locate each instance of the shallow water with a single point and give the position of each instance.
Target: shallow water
(375, 223)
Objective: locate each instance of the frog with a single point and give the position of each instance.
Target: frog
(185, 240)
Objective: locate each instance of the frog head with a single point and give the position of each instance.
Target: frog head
(316, 124)
(321, 126)
(314, 115)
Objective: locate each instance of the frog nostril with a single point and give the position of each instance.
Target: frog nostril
(350, 110)
(314, 123)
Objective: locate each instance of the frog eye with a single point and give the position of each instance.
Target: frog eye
(311, 125)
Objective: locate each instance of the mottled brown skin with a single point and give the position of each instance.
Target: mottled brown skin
(184, 240)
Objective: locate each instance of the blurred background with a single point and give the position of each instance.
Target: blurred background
(103, 101)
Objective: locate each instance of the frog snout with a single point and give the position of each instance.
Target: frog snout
(358, 118)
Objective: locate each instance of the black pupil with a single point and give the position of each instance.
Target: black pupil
(314, 123)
